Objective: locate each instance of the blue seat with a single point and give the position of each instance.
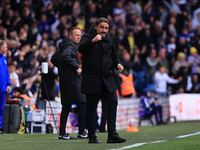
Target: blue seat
(150, 87)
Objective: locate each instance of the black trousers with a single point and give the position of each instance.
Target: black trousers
(91, 109)
(104, 115)
(81, 108)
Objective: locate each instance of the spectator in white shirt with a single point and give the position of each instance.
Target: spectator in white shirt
(196, 19)
(14, 78)
(119, 11)
(171, 47)
(161, 79)
(175, 6)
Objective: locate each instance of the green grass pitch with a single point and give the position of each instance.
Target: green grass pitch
(146, 134)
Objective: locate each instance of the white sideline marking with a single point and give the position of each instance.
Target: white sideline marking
(159, 141)
(138, 144)
(183, 136)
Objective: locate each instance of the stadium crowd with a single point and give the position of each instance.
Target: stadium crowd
(158, 42)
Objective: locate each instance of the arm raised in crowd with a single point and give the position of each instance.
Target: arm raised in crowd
(32, 72)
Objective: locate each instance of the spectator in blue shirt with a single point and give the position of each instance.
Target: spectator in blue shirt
(45, 24)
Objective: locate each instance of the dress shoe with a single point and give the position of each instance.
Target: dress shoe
(115, 138)
(94, 140)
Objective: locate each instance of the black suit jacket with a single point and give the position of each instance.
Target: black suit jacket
(98, 61)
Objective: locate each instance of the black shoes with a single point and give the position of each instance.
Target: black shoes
(2, 132)
(94, 140)
(163, 122)
(160, 123)
(115, 138)
(82, 135)
(66, 136)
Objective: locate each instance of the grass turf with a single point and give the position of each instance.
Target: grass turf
(146, 134)
(189, 143)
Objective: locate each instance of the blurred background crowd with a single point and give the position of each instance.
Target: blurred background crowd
(151, 37)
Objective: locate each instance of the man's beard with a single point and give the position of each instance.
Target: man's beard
(102, 35)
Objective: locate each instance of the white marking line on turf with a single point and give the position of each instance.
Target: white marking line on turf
(138, 144)
(183, 136)
(158, 141)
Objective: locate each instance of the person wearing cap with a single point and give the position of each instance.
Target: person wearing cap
(180, 62)
(5, 80)
(194, 60)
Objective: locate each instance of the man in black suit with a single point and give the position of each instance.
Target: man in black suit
(99, 58)
(66, 59)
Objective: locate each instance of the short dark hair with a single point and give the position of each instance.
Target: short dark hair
(18, 89)
(11, 64)
(72, 29)
(2, 42)
(100, 20)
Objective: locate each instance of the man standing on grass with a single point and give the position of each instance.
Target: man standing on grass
(4, 80)
(70, 82)
(99, 58)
